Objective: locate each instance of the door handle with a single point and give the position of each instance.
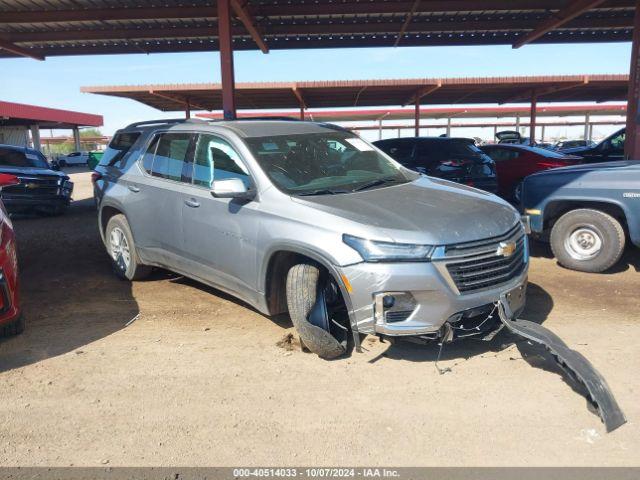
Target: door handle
(134, 188)
(192, 203)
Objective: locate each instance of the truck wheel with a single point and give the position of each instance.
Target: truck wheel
(587, 240)
(122, 250)
(14, 328)
(317, 310)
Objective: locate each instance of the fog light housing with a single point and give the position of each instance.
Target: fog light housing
(393, 307)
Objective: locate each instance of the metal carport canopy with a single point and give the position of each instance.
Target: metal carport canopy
(83, 27)
(359, 93)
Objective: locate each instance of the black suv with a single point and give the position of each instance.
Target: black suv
(611, 149)
(455, 159)
(41, 188)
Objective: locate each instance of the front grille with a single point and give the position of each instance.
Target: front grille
(34, 187)
(477, 265)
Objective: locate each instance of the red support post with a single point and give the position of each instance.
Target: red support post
(417, 117)
(187, 109)
(632, 141)
(226, 60)
(532, 121)
(302, 112)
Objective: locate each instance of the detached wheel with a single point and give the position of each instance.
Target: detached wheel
(122, 250)
(14, 328)
(317, 310)
(587, 240)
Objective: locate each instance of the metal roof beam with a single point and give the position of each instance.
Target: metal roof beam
(299, 96)
(423, 92)
(406, 22)
(568, 13)
(245, 16)
(16, 50)
(184, 101)
(101, 14)
(546, 91)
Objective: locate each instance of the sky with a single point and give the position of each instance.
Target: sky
(56, 82)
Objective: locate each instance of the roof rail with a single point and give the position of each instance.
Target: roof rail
(164, 121)
(257, 118)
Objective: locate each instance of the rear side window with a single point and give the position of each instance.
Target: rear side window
(502, 154)
(118, 148)
(147, 159)
(171, 156)
(399, 150)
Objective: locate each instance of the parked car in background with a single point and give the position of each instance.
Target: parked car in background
(41, 188)
(515, 162)
(565, 144)
(11, 320)
(456, 159)
(511, 137)
(611, 149)
(584, 211)
(74, 158)
(327, 228)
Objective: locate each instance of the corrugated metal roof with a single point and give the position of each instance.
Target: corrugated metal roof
(81, 27)
(22, 114)
(360, 93)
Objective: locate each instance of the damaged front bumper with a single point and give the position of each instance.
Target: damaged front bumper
(574, 363)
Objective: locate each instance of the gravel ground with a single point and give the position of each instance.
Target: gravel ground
(171, 372)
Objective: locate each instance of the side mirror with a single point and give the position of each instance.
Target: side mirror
(6, 180)
(231, 188)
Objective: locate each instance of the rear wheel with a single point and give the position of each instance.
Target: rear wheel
(516, 193)
(587, 240)
(122, 250)
(317, 310)
(14, 328)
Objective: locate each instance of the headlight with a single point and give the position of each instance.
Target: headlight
(373, 251)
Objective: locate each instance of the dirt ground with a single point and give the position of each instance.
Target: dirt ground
(169, 372)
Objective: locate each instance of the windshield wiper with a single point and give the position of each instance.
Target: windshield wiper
(321, 191)
(375, 183)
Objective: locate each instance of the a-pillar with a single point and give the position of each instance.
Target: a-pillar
(226, 59)
(35, 137)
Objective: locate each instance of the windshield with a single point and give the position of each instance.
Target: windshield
(325, 163)
(16, 158)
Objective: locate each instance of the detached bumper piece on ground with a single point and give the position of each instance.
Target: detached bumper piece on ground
(573, 363)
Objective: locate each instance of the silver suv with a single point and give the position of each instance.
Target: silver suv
(310, 219)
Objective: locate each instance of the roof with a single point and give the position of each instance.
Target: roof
(358, 93)
(12, 114)
(351, 115)
(80, 27)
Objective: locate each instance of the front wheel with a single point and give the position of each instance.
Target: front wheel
(317, 310)
(587, 240)
(122, 250)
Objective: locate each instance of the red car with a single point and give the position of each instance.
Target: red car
(515, 162)
(11, 322)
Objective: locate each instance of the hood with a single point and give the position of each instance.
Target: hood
(633, 165)
(32, 171)
(428, 210)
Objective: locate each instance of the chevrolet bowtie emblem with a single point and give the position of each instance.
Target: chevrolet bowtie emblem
(506, 249)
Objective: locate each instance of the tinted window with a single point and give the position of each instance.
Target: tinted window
(171, 155)
(118, 148)
(617, 142)
(147, 160)
(15, 158)
(502, 154)
(439, 149)
(215, 159)
(400, 150)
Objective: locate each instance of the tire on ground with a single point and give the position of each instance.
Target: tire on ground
(302, 287)
(136, 269)
(14, 328)
(609, 229)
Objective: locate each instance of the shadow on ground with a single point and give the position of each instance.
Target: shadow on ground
(70, 296)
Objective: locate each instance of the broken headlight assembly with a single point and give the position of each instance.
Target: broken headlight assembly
(375, 251)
